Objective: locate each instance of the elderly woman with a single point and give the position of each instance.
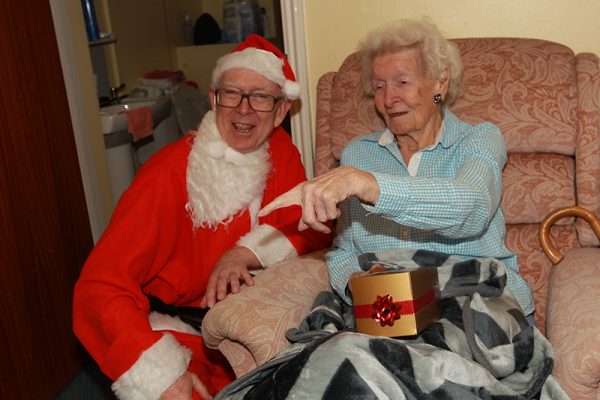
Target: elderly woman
(428, 181)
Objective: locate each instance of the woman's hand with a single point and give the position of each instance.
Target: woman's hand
(231, 269)
(319, 197)
(183, 388)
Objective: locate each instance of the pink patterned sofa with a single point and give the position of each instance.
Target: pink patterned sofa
(546, 101)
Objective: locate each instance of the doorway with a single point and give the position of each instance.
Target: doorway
(83, 101)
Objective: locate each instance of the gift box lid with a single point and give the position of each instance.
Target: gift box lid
(396, 302)
(408, 283)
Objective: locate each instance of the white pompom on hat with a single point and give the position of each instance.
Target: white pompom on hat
(261, 56)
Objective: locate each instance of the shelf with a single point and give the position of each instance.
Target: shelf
(273, 40)
(101, 42)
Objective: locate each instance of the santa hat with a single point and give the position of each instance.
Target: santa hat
(261, 56)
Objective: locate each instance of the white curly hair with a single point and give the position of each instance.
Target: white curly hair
(436, 51)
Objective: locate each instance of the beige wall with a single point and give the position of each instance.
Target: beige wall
(147, 33)
(334, 27)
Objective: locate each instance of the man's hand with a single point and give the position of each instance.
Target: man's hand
(183, 388)
(319, 197)
(231, 269)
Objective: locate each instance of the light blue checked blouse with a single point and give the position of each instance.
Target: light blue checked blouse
(452, 205)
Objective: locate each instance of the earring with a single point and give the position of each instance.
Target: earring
(437, 99)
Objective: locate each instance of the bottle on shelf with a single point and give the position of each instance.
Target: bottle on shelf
(264, 23)
(240, 19)
(188, 30)
(91, 23)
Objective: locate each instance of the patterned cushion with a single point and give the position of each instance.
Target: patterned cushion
(536, 183)
(526, 87)
(534, 266)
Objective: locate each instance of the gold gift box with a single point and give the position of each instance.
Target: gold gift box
(396, 303)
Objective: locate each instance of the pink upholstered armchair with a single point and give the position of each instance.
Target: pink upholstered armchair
(546, 101)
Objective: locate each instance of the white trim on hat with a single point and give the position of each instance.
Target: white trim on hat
(260, 61)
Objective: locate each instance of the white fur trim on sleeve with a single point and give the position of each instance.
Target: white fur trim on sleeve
(269, 244)
(164, 322)
(157, 368)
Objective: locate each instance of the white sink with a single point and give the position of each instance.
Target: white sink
(113, 119)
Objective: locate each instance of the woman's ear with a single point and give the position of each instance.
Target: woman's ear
(444, 82)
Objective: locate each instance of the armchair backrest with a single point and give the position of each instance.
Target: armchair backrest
(545, 100)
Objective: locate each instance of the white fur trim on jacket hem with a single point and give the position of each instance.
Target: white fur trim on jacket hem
(269, 245)
(157, 368)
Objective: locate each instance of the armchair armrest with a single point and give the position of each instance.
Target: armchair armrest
(573, 322)
(249, 327)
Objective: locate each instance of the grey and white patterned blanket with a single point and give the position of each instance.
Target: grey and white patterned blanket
(481, 348)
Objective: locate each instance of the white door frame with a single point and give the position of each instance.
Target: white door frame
(295, 45)
(83, 107)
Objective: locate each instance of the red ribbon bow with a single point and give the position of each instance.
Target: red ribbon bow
(385, 311)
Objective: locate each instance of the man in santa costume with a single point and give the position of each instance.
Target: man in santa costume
(187, 232)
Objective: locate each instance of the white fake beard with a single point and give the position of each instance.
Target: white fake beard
(221, 181)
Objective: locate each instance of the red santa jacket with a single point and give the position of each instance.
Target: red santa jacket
(150, 247)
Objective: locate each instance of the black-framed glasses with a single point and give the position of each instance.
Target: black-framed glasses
(258, 101)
